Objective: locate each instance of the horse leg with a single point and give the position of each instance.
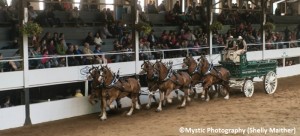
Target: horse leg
(206, 88)
(185, 98)
(216, 92)
(110, 102)
(103, 108)
(160, 101)
(178, 96)
(168, 95)
(149, 101)
(138, 102)
(133, 104)
(227, 87)
(119, 105)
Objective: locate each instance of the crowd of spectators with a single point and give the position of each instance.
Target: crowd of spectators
(184, 37)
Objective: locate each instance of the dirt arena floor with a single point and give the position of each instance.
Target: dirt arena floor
(280, 111)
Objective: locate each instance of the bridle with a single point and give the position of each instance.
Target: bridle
(147, 66)
(188, 62)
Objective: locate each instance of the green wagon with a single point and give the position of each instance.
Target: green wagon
(243, 73)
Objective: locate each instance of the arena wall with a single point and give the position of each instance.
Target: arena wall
(61, 109)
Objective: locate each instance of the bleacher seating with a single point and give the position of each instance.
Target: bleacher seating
(286, 19)
(89, 17)
(77, 35)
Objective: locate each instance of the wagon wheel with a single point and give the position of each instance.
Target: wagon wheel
(248, 88)
(270, 82)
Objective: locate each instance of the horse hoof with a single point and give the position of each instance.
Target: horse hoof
(158, 110)
(207, 100)
(128, 114)
(148, 107)
(103, 119)
(180, 107)
(189, 99)
(226, 97)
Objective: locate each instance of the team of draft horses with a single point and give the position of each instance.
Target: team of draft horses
(109, 87)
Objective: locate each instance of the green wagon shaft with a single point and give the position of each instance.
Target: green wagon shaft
(242, 74)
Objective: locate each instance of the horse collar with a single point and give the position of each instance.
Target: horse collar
(169, 74)
(114, 81)
(209, 69)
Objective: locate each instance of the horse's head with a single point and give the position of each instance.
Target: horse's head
(94, 73)
(203, 64)
(106, 75)
(160, 70)
(189, 61)
(148, 68)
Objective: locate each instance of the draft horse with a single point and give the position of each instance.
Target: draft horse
(212, 76)
(96, 89)
(115, 88)
(192, 69)
(169, 81)
(148, 69)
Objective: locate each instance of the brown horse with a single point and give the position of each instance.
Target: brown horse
(212, 76)
(114, 88)
(192, 65)
(169, 81)
(147, 67)
(94, 75)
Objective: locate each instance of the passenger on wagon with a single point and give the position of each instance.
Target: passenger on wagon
(241, 49)
(230, 48)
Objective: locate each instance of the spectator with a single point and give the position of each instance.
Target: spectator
(32, 14)
(162, 7)
(109, 15)
(51, 48)
(94, 5)
(104, 32)
(51, 20)
(97, 39)
(229, 48)
(176, 8)
(7, 102)
(78, 93)
(11, 15)
(90, 39)
(86, 50)
(77, 51)
(75, 17)
(100, 58)
(67, 5)
(60, 48)
(45, 60)
(35, 63)
(118, 48)
(72, 61)
(62, 37)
